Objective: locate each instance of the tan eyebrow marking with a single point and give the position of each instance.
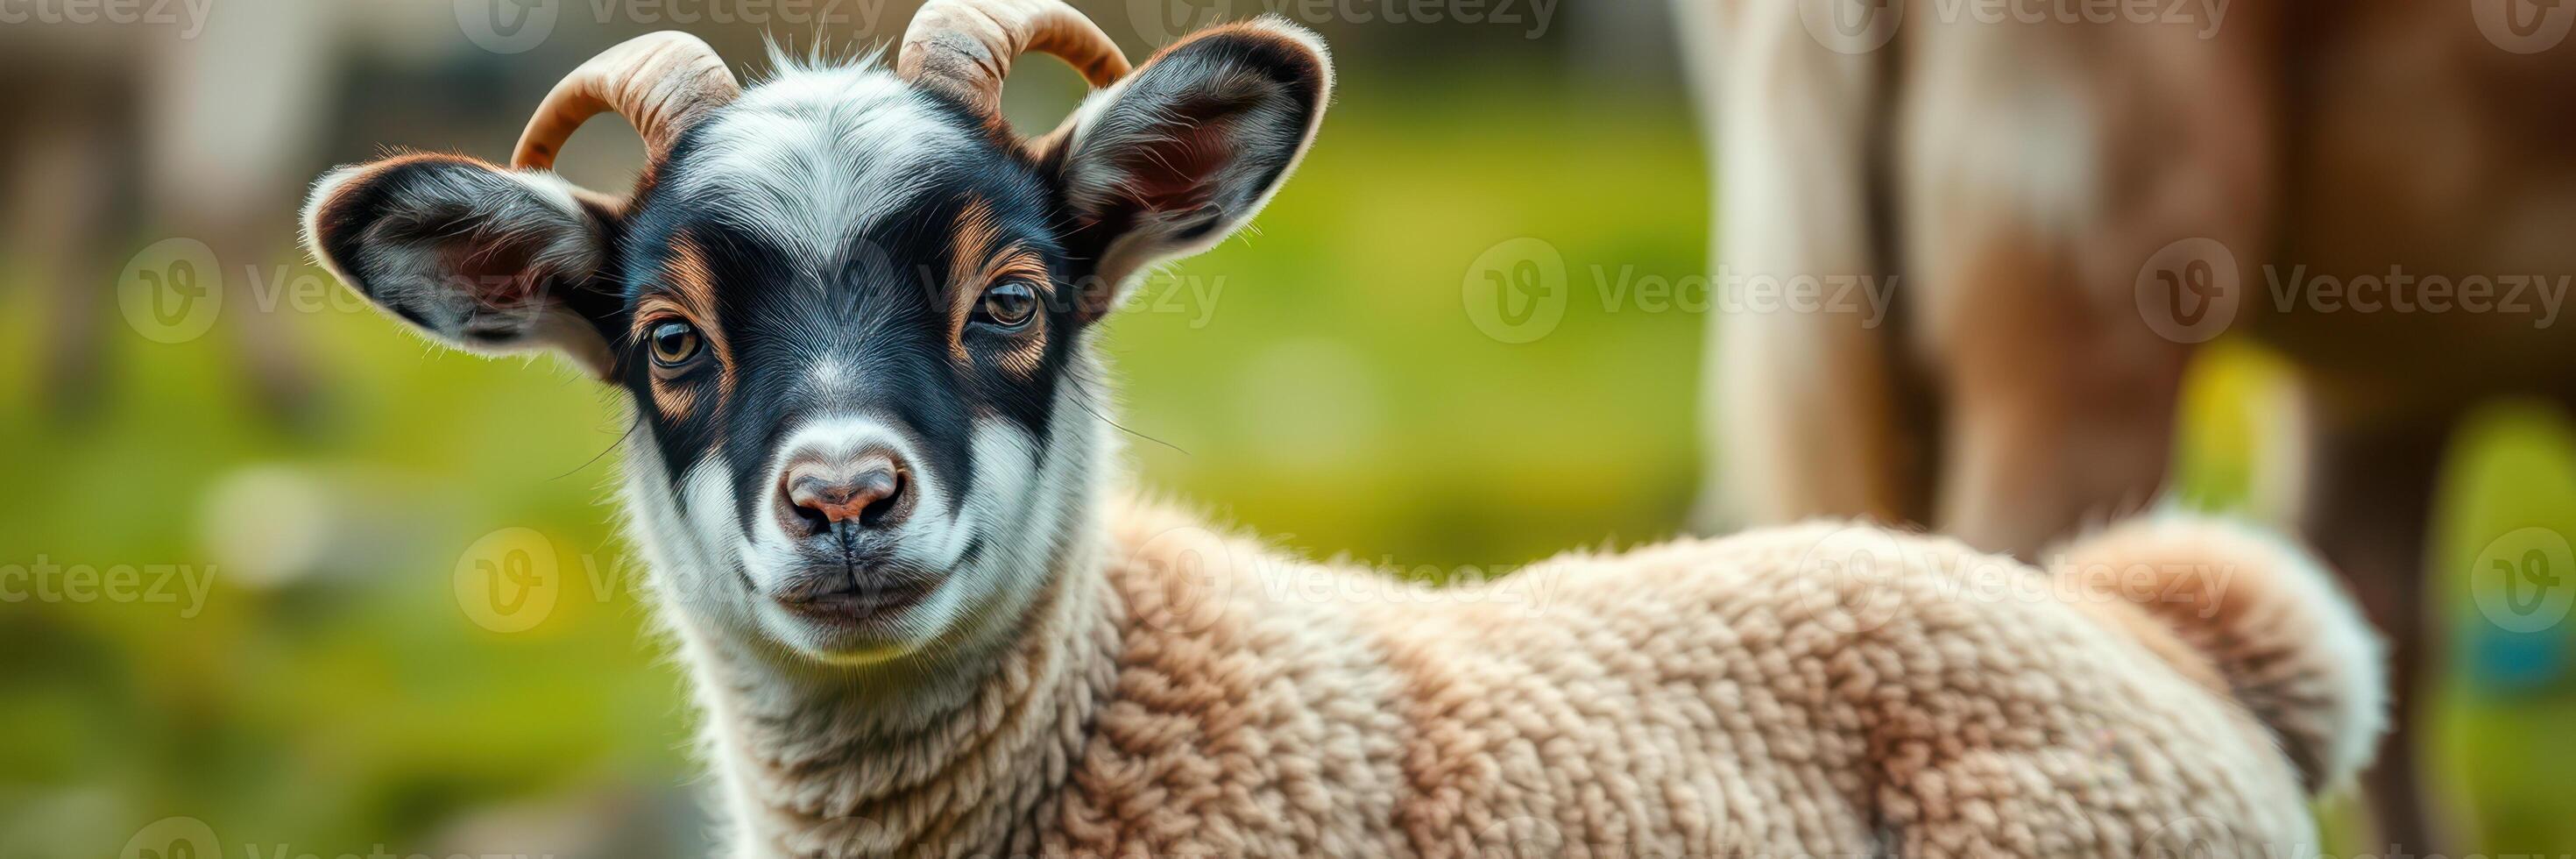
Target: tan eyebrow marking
(978, 257)
(689, 275)
(968, 248)
(691, 298)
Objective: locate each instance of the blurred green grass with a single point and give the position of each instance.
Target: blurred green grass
(1333, 394)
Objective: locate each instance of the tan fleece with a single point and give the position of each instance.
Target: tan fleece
(1819, 690)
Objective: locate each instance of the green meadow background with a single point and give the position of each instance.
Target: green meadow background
(1325, 385)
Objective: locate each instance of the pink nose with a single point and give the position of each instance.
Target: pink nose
(867, 489)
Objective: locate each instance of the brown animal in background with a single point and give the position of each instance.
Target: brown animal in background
(2070, 206)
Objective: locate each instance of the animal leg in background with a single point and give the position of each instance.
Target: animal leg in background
(1810, 401)
(2048, 431)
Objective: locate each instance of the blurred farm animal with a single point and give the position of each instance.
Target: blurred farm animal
(2070, 206)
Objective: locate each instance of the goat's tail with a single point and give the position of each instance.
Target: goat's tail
(2265, 616)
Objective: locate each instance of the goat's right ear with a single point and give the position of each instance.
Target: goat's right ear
(473, 256)
(1188, 147)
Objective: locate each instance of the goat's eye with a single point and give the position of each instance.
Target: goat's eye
(1009, 304)
(673, 343)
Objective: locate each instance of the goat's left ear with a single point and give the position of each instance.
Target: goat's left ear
(1177, 156)
(471, 255)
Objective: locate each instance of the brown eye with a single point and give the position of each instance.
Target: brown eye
(1009, 305)
(673, 343)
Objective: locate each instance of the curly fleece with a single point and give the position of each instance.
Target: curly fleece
(1824, 690)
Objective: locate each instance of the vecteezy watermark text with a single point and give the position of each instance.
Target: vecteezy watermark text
(2191, 291)
(192, 838)
(188, 17)
(1862, 26)
(2538, 296)
(175, 290)
(46, 581)
(1517, 291)
(516, 26)
(1161, 21)
(2206, 15)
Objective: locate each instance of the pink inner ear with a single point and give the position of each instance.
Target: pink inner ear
(499, 275)
(1176, 173)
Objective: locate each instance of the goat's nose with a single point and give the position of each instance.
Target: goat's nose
(866, 490)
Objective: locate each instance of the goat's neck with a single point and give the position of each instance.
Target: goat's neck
(950, 750)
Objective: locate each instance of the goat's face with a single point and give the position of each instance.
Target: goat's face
(852, 310)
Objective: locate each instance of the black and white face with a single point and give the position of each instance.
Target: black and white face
(853, 317)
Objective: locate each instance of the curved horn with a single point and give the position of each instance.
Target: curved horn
(662, 82)
(965, 47)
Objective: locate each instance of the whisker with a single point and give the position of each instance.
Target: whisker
(1083, 401)
(637, 422)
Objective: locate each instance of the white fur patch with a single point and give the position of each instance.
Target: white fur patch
(1006, 460)
(817, 155)
(693, 560)
(2358, 657)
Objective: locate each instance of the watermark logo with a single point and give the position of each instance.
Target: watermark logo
(1515, 292)
(1197, 570)
(175, 290)
(2194, 289)
(517, 26)
(507, 26)
(172, 291)
(1847, 580)
(2524, 26)
(173, 838)
(1862, 26)
(862, 834)
(1852, 26)
(2203, 838)
(2190, 291)
(1522, 836)
(2525, 581)
(1162, 21)
(191, 838)
(509, 581)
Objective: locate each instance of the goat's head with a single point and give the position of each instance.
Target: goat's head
(851, 306)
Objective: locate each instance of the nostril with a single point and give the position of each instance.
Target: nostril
(806, 517)
(885, 489)
(867, 493)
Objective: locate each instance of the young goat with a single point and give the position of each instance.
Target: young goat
(854, 313)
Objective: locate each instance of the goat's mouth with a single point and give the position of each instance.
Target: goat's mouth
(854, 594)
(859, 605)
